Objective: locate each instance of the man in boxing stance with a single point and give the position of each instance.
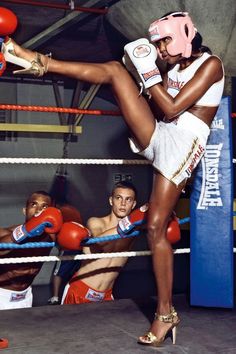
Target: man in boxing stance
(95, 278)
(42, 224)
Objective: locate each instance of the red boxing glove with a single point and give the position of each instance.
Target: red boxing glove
(3, 343)
(2, 64)
(70, 213)
(71, 235)
(173, 233)
(49, 220)
(8, 22)
(136, 218)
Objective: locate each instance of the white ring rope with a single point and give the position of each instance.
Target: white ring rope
(7, 160)
(83, 256)
(86, 256)
(36, 160)
(22, 160)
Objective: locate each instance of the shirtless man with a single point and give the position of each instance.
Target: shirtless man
(95, 279)
(16, 279)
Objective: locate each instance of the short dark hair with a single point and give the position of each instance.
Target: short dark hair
(124, 184)
(46, 194)
(197, 45)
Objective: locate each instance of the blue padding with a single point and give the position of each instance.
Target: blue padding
(211, 217)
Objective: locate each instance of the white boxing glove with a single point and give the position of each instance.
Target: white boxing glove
(133, 71)
(143, 55)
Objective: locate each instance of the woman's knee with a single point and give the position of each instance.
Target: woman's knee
(116, 71)
(156, 228)
(114, 67)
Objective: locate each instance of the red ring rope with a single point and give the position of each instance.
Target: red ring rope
(58, 6)
(98, 112)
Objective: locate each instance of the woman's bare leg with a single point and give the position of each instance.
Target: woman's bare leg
(135, 109)
(141, 122)
(162, 202)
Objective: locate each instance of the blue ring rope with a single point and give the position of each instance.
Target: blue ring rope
(88, 241)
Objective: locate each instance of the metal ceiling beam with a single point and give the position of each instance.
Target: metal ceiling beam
(36, 41)
(62, 116)
(75, 102)
(62, 25)
(70, 6)
(87, 100)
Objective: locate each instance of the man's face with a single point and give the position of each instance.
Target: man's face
(36, 203)
(122, 202)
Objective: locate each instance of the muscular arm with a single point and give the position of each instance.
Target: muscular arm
(209, 72)
(5, 236)
(97, 228)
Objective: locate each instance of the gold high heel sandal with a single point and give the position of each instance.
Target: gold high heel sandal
(152, 340)
(35, 67)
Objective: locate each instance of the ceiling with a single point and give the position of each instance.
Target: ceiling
(96, 37)
(67, 34)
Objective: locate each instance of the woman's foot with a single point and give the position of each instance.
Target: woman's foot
(32, 62)
(162, 326)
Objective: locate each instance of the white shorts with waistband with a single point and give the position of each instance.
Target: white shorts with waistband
(176, 147)
(10, 299)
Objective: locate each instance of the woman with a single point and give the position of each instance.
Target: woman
(187, 101)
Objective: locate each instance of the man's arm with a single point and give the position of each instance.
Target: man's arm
(48, 221)
(97, 228)
(5, 237)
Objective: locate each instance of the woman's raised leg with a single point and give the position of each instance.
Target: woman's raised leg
(134, 107)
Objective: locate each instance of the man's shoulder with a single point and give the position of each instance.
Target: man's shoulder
(98, 225)
(95, 222)
(98, 220)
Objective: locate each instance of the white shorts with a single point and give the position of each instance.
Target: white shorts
(176, 147)
(10, 299)
(66, 288)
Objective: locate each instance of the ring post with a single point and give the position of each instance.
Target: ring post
(211, 227)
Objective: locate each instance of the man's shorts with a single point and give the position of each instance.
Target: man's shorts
(176, 147)
(10, 299)
(66, 269)
(77, 292)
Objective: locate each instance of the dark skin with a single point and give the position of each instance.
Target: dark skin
(35, 204)
(141, 121)
(208, 73)
(19, 276)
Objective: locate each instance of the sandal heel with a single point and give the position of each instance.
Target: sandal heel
(152, 340)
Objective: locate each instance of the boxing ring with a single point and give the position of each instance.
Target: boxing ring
(108, 326)
(115, 326)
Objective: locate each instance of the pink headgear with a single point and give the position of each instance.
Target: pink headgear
(174, 26)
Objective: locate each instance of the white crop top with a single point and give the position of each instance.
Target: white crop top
(177, 79)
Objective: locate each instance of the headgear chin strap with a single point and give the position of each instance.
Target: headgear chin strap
(180, 28)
